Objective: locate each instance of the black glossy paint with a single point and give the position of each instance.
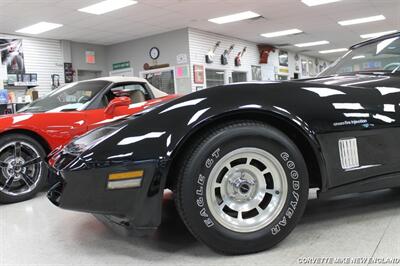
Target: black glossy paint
(362, 105)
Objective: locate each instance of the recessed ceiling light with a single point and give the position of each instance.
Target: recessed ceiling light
(235, 17)
(318, 2)
(333, 51)
(107, 6)
(39, 28)
(377, 34)
(307, 44)
(361, 20)
(281, 33)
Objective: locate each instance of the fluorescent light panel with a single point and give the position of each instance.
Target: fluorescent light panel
(307, 44)
(39, 28)
(361, 20)
(333, 51)
(377, 34)
(235, 17)
(107, 6)
(281, 33)
(318, 2)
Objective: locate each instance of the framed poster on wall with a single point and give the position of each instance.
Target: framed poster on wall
(256, 73)
(12, 55)
(304, 68)
(198, 74)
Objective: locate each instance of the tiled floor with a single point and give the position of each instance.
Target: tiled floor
(36, 232)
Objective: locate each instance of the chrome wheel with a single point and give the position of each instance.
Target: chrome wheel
(246, 189)
(20, 168)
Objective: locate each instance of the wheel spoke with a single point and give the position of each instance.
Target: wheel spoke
(33, 161)
(269, 191)
(8, 183)
(27, 179)
(266, 171)
(17, 149)
(240, 216)
(3, 165)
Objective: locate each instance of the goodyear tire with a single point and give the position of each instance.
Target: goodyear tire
(22, 171)
(243, 187)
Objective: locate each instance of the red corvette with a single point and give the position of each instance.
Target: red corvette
(26, 138)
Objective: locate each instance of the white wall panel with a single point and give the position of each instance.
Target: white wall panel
(200, 43)
(44, 57)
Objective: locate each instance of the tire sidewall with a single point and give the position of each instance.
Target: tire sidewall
(5, 198)
(201, 164)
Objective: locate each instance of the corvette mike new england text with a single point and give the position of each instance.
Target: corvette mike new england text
(348, 260)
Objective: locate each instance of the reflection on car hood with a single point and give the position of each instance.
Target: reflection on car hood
(363, 80)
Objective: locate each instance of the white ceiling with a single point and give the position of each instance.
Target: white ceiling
(150, 17)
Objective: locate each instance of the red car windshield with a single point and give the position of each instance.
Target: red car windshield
(71, 97)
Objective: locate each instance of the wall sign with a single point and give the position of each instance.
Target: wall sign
(90, 57)
(121, 65)
(68, 73)
(198, 74)
(181, 59)
(182, 71)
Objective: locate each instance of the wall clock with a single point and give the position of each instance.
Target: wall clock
(154, 53)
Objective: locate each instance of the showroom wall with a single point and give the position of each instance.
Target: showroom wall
(200, 42)
(79, 60)
(44, 57)
(170, 45)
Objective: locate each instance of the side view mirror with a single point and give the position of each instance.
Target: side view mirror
(116, 102)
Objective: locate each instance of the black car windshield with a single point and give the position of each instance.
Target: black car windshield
(379, 56)
(71, 97)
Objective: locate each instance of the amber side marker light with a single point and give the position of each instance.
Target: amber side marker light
(130, 179)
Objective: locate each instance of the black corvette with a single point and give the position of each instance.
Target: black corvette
(241, 158)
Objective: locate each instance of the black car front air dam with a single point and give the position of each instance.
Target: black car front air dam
(135, 209)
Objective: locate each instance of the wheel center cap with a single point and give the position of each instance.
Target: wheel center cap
(241, 186)
(244, 188)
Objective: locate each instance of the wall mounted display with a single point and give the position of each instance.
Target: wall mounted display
(163, 79)
(12, 55)
(264, 50)
(182, 71)
(256, 73)
(238, 58)
(304, 68)
(215, 77)
(311, 68)
(182, 78)
(198, 74)
(211, 53)
(283, 58)
(68, 73)
(12, 78)
(225, 55)
(297, 63)
(90, 57)
(181, 59)
(55, 81)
